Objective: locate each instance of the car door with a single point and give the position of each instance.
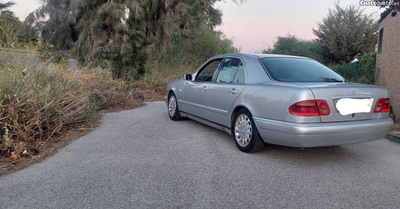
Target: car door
(196, 90)
(225, 88)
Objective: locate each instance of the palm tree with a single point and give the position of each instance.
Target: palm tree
(8, 24)
(4, 6)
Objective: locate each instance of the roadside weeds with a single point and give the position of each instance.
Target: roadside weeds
(42, 109)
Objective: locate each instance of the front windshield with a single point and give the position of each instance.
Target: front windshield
(288, 69)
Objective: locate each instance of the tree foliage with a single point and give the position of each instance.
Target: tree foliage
(291, 45)
(14, 33)
(8, 29)
(7, 25)
(119, 34)
(345, 32)
(54, 21)
(4, 6)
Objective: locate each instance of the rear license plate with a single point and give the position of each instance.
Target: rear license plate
(349, 106)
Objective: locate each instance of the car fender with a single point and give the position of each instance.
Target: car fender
(272, 100)
(177, 87)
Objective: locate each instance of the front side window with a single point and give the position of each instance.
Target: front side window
(299, 70)
(207, 73)
(228, 70)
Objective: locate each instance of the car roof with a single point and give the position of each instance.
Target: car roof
(251, 64)
(249, 55)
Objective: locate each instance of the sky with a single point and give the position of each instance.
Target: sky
(255, 24)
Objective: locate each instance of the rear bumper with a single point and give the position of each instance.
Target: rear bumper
(322, 134)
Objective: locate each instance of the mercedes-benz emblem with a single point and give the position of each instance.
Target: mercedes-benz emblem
(354, 91)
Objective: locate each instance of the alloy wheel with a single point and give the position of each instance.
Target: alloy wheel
(243, 130)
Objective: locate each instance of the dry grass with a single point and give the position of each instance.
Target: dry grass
(42, 104)
(152, 86)
(148, 91)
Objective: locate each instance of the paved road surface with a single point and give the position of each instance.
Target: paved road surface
(141, 159)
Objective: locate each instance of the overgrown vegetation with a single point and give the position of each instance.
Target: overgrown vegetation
(40, 103)
(122, 34)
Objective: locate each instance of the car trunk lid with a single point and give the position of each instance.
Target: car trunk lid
(347, 101)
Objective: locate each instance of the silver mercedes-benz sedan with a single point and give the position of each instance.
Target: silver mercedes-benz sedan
(277, 99)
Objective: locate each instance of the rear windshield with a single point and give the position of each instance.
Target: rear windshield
(299, 70)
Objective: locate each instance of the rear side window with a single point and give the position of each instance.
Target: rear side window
(207, 72)
(240, 77)
(228, 70)
(299, 70)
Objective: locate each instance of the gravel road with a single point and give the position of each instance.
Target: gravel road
(141, 159)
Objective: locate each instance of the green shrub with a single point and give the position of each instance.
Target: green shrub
(348, 71)
(367, 69)
(362, 72)
(185, 57)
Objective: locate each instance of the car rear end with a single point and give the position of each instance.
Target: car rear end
(349, 113)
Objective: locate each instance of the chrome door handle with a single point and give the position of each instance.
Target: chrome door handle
(204, 88)
(233, 91)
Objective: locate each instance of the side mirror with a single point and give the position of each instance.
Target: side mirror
(188, 77)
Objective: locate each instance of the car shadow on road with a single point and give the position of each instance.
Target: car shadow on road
(314, 155)
(346, 154)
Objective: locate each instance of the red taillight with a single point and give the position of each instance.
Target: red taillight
(383, 105)
(310, 108)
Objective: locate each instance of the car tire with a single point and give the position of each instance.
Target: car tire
(245, 132)
(173, 109)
